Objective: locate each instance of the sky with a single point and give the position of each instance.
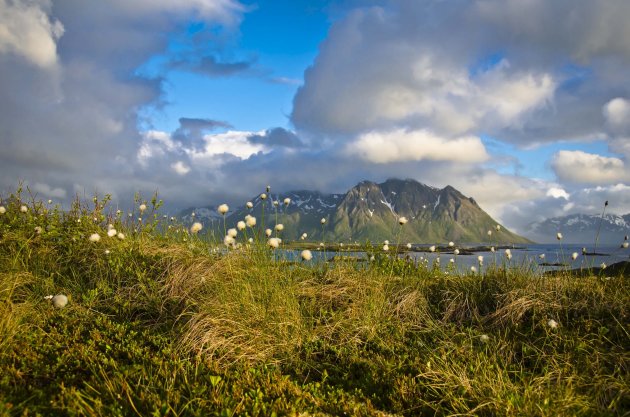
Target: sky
(522, 104)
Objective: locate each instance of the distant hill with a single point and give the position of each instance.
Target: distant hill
(371, 211)
(582, 228)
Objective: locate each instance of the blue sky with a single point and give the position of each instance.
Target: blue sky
(524, 106)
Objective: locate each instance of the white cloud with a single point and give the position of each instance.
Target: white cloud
(180, 167)
(48, 191)
(28, 31)
(401, 145)
(617, 113)
(556, 192)
(587, 168)
(232, 142)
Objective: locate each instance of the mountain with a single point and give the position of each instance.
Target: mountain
(371, 211)
(582, 228)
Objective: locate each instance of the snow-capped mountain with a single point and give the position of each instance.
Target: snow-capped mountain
(370, 211)
(582, 228)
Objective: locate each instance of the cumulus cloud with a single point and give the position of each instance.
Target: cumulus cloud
(27, 30)
(582, 167)
(617, 113)
(403, 145)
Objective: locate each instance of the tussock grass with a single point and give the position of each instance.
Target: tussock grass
(163, 323)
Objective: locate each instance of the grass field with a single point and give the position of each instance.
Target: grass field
(160, 322)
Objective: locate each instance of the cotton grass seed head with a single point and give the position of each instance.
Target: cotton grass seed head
(484, 338)
(273, 242)
(279, 227)
(574, 256)
(489, 232)
(306, 255)
(498, 227)
(94, 237)
(142, 208)
(402, 220)
(386, 242)
(268, 232)
(222, 209)
(241, 225)
(121, 236)
(408, 245)
(508, 254)
(232, 232)
(473, 269)
(323, 220)
(23, 209)
(250, 221)
(249, 205)
(541, 256)
(2, 210)
(385, 247)
(480, 259)
(268, 188)
(229, 240)
(432, 248)
(59, 301)
(263, 196)
(196, 228)
(456, 252)
(112, 232)
(553, 324)
(287, 201)
(492, 249)
(559, 236)
(304, 236)
(625, 245)
(603, 265)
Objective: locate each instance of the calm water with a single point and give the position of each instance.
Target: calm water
(522, 256)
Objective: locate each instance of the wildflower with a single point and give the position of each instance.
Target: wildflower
(222, 209)
(274, 242)
(142, 208)
(386, 247)
(112, 232)
(480, 259)
(232, 232)
(2, 210)
(508, 254)
(456, 252)
(489, 232)
(241, 225)
(402, 220)
(473, 269)
(484, 338)
(603, 265)
(59, 301)
(249, 205)
(574, 256)
(323, 220)
(23, 209)
(38, 230)
(287, 201)
(498, 227)
(250, 221)
(559, 236)
(552, 323)
(196, 228)
(451, 244)
(307, 255)
(408, 245)
(268, 232)
(432, 248)
(95, 237)
(229, 240)
(279, 227)
(304, 236)
(263, 196)
(121, 236)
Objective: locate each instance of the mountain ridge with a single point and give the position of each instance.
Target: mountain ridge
(582, 228)
(371, 211)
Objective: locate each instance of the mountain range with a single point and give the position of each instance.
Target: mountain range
(369, 211)
(582, 228)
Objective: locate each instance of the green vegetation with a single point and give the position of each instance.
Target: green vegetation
(161, 322)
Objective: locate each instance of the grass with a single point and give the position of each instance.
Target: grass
(165, 325)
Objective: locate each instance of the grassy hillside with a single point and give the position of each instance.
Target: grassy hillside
(161, 322)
